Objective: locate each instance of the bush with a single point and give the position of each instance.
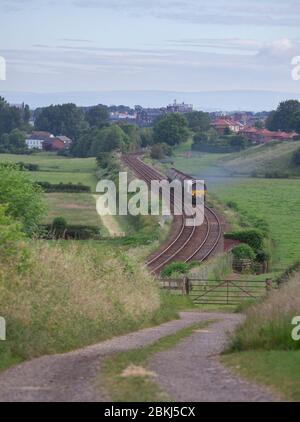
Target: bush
(175, 268)
(13, 249)
(252, 237)
(64, 187)
(24, 198)
(59, 226)
(243, 252)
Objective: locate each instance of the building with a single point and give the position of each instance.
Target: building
(262, 136)
(47, 141)
(221, 125)
(179, 108)
(37, 138)
(67, 141)
(54, 144)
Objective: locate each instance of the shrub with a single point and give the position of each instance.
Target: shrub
(175, 267)
(23, 198)
(13, 249)
(59, 226)
(252, 237)
(243, 252)
(64, 187)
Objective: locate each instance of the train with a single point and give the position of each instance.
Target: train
(174, 174)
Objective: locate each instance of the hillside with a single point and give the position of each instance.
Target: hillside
(262, 159)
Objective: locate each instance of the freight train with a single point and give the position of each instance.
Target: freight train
(174, 174)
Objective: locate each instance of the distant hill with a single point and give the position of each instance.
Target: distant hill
(268, 158)
(207, 100)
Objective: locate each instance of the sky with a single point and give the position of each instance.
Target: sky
(155, 45)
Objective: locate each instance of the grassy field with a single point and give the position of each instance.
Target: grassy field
(275, 201)
(76, 208)
(273, 157)
(87, 179)
(53, 163)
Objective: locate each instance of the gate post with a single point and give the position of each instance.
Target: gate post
(269, 284)
(186, 286)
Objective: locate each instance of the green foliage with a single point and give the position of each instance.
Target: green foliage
(211, 142)
(159, 151)
(12, 117)
(252, 237)
(146, 136)
(171, 129)
(59, 225)
(97, 116)
(65, 119)
(14, 142)
(286, 117)
(22, 197)
(175, 268)
(13, 250)
(243, 251)
(27, 166)
(63, 187)
(198, 121)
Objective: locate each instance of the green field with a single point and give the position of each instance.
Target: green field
(76, 208)
(52, 162)
(87, 179)
(275, 201)
(272, 157)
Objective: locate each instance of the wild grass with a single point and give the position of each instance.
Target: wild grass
(76, 208)
(269, 323)
(72, 295)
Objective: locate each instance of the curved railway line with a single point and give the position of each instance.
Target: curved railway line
(186, 243)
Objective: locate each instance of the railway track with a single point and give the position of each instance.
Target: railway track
(186, 244)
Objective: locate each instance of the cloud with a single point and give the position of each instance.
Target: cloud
(219, 12)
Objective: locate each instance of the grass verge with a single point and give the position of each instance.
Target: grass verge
(125, 374)
(278, 370)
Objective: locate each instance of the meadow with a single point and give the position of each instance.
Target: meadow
(275, 201)
(77, 209)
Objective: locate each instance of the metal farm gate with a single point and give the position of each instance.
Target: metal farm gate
(218, 292)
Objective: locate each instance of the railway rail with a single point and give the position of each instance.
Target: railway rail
(187, 243)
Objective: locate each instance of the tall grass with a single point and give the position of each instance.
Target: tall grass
(268, 324)
(73, 295)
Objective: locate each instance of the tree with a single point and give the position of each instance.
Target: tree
(97, 116)
(171, 129)
(133, 136)
(146, 136)
(159, 151)
(285, 117)
(198, 121)
(109, 139)
(22, 197)
(259, 124)
(11, 117)
(13, 143)
(65, 119)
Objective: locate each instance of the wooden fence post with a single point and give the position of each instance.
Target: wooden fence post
(186, 286)
(269, 284)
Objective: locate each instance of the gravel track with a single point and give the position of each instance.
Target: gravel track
(188, 371)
